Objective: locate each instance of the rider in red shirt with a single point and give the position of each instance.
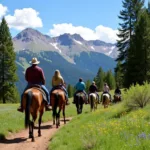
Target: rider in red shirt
(35, 75)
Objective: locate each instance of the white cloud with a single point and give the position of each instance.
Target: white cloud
(105, 34)
(23, 18)
(3, 10)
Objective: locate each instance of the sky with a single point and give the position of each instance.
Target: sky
(92, 19)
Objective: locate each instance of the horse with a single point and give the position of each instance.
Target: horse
(58, 100)
(117, 98)
(79, 101)
(33, 104)
(105, 100)
(93, 101)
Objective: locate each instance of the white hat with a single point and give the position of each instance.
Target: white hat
(93, 82)
(34, 61)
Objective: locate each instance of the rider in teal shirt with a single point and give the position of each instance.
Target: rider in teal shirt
(80, 87)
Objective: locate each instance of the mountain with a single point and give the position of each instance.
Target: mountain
(68, 45)
(71, 54)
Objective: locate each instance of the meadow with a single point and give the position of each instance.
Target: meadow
(114, 128)
(106, 129)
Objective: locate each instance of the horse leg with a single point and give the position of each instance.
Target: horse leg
(32, 126)
(30, 130)
(81, 107)
(40, 120)
(54, 115)
(64, 115)
(58, 118)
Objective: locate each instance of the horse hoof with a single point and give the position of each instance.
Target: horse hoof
(39, 135)
(33, 140)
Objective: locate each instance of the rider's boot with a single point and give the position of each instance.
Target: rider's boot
(48, 107)
(20, 108)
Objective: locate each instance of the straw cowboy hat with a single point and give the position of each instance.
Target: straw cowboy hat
(93, 82)
(34, 61)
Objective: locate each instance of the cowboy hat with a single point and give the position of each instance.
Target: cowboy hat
(93, 82)
(34, 61)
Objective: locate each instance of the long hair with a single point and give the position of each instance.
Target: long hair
(57, 75)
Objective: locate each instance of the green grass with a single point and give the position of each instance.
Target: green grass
(13, 121)
(106, 129)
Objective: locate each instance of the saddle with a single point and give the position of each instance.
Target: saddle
(80, 93)
(38, 87)
(58, 87)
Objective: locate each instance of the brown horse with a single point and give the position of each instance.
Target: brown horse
(105, 100)
(58, 100)
(117, 98)
(32, 104)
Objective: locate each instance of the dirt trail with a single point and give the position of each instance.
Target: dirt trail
(20, 141)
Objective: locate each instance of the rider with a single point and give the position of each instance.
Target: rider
(118, 91)
(58, 82)
(106, 89)
(35, 75)
(80, 87)
(93, 89)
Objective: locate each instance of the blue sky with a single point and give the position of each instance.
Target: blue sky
(92, 19)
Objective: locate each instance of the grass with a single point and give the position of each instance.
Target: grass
(12, 121)
(106, 129)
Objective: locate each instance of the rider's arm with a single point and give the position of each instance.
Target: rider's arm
(42, 77)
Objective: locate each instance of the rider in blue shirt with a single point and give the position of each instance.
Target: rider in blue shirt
(80, 87)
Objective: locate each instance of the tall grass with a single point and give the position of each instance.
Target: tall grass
(104, 130)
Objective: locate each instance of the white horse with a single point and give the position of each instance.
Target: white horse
(93, 100)
(105, 100)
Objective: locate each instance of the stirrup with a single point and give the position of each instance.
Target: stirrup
(20, 109)
(48, 108)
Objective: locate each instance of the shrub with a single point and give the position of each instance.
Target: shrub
(137, 96)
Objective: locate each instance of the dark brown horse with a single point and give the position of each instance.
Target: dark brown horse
(58, 100)
(33, 104)
(117, 98)
(79, 101)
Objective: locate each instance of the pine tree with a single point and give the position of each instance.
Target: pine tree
(110, 79)
(138, 64)
(87, 83)
(129, 16)
(7, 63)
(70, 91)
(119, 75)
(99, 79)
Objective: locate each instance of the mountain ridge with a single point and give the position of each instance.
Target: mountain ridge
(69, 45)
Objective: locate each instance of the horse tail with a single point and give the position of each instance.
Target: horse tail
(27, 110)
(92, 102)
(56, 103)
(104, 98)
